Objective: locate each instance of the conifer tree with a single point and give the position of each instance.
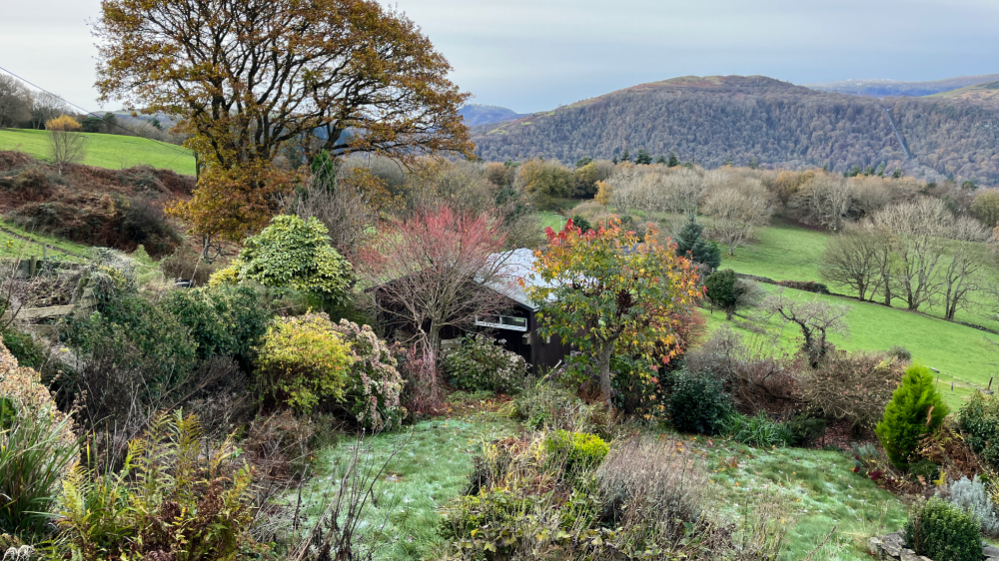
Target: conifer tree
(673, 160)
(626, 156)
(689, 240)
(661, 160)
(643, 158)
(915, 409)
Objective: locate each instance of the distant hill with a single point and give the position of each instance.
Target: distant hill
(989, 91)
(484, 114)
(717, 119)
(893, 88)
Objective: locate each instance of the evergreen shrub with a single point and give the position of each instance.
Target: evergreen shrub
(915, 409)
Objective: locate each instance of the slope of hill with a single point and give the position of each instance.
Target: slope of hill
(892, 88)
(988, 92)
(485, 114)
(717, 119)
(106, 150)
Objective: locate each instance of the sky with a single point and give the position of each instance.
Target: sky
(534, 55)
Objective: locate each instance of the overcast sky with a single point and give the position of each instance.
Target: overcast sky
(532, 55)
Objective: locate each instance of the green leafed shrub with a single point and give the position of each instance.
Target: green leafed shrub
(293, 253)
(302, 362)
(581, 452)
(223, 321)
(939, 530)
(698, 404)
(759, 431)
(544, 405)
(163, 342)
(979, 421)
(481, 363)
(373, 386)
(805, 430)
(916, 409)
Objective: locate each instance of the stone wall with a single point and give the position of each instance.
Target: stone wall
(892, 547)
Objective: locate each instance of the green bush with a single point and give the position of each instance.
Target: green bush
(722, 291)
(481, 363)
(544, 405)
(939, 530)
(163, 341)
(581, 452)
(979, 421)
(373, 385)
(223, 321)
(805, 430)
(292, 253)
(759, 431)
(24, 347)
(34, 454)
(915, 409)
(301, 362)
(698, 404)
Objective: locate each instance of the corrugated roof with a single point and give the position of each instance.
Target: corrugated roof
(517, 264)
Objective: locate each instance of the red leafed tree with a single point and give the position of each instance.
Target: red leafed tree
(432, 271)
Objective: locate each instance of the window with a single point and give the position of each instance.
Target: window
(511, 323)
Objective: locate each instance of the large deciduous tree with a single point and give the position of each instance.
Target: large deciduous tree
(248, 78)
(610, 291)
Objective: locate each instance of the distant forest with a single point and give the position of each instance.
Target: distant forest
(742, 120)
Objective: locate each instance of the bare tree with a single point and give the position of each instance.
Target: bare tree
(917, 229)
(656, 189)
(15, 102)
(825, 200)
(737, 210)
(815, 318)
(66, 147)
(969, 260)
(432, 272)
(341, 208)
(46, 107)
(854, 258)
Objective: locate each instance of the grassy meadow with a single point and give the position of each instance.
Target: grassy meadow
(106, 150)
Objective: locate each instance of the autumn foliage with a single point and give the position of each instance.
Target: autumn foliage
(63, 123)
(432, 268)
(610, 291)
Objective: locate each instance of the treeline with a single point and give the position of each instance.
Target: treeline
(23, 108)
(772, 123)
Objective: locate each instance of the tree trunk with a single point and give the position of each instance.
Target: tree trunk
(604, 356)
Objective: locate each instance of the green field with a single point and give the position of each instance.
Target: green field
(106, 150)
(13, 246)
(783, 252)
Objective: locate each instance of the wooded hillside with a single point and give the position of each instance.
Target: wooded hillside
(719, 119)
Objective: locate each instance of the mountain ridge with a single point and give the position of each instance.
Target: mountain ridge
(718, 119)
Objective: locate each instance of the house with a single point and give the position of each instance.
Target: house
(517, 323)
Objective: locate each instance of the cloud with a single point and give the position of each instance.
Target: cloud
(532, 55)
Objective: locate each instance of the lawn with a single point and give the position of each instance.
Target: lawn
(106, 150)
(432, 463)
(819, 483)
(431, 466)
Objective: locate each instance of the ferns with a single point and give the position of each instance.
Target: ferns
(171, 474)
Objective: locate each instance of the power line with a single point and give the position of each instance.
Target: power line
(71, 104)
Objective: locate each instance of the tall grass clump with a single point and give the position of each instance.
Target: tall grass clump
(34, 455)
